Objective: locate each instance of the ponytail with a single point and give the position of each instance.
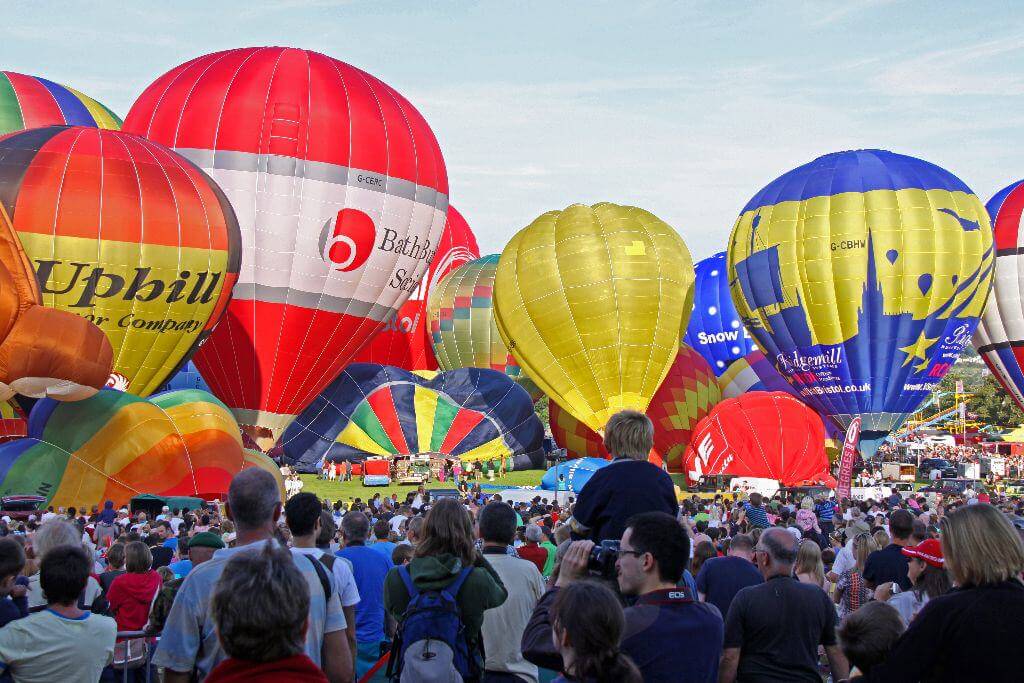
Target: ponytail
(590, 614)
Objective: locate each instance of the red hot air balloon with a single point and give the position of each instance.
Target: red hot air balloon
(405, 340)
(768, 435)
(341, 193)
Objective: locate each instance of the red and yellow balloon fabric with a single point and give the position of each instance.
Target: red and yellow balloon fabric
(405, 341)
(769, 435)
(34, 102)
(592, 301)
(126, 234)
(463, 330)
(43, 352)
(114, 446)
(689, 392)
(341, 192)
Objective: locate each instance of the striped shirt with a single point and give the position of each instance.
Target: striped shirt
(826, 510)
(756, 516)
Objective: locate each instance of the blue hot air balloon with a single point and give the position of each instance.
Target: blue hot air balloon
(715, 330)
(862, 275)
(187, 377)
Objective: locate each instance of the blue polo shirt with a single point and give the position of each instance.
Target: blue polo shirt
(369, 567)
(672, 638)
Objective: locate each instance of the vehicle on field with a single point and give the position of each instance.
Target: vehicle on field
(946, 469)
(413, 469)
(898, 471)
(21, 506)
(954, 486)
(376, 471)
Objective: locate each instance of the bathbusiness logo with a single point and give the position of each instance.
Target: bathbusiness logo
(346, 240)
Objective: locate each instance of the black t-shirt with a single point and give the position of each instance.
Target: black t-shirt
(721, 578)
(161, 556)
(888, 564)
(620, 490)
(778, 626)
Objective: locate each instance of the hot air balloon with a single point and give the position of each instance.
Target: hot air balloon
(715, 330)
(769, 435)
(34, 102)
(405, 340)
(462, 325)
(591, 301)
(1000, 335)
(341, 193)
(573, 475)
(753, 372)
(126, 234)
(115, 446)
(862, 275)
(376, 410)
(13, 424)
(43, 352)
(187, 377)
(688, 393)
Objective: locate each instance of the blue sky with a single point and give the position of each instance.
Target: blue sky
(685, 109)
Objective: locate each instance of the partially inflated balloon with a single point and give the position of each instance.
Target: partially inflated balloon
(187, 377)
(376, 410)
(591, 301)
(1000, 335)
(688, 393)
(13, 424)
(341, 193)
(862, 275)
(753, 372)
(769, 435)
(34, 102)
(715, 330)
(463, 330)
(115, 446)
(126, 234)
(43, 352)
(405, 340)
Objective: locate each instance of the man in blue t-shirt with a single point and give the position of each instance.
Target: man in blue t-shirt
(369, 567)
(721, 578)
(628, 486)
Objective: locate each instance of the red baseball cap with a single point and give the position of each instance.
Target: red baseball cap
(930, 550)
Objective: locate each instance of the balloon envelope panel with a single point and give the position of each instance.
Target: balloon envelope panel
(186, 378)
(715, 329)
(341, 193)
(999, 338)
(862, 275)
(463, 328)
(378, 410)
(769, 435)
(575, 474)
(591, 301)
(405, 340)
(126, 234)
(116, 445)
(34, 102)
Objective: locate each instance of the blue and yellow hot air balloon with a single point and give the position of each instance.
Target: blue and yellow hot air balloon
(862, 275)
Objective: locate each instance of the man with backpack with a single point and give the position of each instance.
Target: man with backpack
(303, 513)
(189, 649)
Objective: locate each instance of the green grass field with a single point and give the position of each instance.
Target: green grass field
(350, 490)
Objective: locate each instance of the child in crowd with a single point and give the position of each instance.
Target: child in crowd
(867, 635)
(13, 600)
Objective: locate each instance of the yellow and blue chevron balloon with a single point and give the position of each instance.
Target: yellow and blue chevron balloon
(862, 275)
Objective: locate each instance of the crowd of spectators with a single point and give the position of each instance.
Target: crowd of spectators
(623, 583)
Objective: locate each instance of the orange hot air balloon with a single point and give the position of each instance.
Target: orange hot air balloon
(43, 352)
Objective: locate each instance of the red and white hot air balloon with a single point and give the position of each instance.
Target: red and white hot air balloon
(341, 194)
(405, 340)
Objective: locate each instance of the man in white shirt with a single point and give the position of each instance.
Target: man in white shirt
(303, 514)
(504, 625)
(165, 514)
(399, 519)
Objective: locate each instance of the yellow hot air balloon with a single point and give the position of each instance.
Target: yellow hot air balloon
(590, 301)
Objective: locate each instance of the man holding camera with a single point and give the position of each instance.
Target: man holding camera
(668, 636)
(628, 486)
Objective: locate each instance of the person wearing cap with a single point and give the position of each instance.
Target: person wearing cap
(926, 572)
(200, 549)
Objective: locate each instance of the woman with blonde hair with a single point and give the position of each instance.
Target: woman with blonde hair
(851, 589)
(446, 558)
(971, 633)
(809, 567)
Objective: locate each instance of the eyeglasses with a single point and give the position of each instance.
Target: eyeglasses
(637, 553)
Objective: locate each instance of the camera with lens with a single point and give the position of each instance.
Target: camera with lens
(602, 559)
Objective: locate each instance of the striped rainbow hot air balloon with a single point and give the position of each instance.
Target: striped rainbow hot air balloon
(34, 102)
(115, 446)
